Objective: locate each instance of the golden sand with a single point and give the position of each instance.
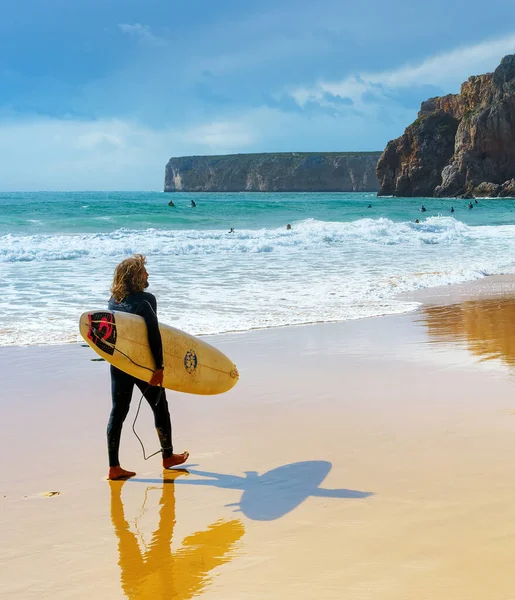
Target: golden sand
(369, 459)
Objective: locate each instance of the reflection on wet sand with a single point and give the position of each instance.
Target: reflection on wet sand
(157, 573)
(487, 327)
(275, 493)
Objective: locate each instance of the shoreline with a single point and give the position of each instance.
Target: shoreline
(262, 276)
(487, 286)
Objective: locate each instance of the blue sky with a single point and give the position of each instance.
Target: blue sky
(98, 94)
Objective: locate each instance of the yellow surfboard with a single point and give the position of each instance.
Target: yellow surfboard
(190, 364)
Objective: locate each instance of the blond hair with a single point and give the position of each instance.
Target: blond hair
(129, 277)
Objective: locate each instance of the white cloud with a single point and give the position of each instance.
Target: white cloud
(108, 154)
(446, 71)
(112, 154)
(97, 139)
(222, 136)
(143, 33)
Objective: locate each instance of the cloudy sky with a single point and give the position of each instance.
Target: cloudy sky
(98, 94)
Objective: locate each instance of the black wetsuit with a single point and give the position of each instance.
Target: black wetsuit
(122, 384)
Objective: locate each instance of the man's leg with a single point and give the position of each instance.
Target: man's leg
(121, 392)
(156, 397)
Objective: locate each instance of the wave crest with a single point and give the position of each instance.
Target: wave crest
(309, 234)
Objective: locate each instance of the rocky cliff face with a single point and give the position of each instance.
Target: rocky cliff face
(460, 144)
(278, 172)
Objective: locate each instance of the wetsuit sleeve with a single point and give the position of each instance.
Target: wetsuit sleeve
(148, 312)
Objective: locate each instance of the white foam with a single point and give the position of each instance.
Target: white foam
(211, 281)
(306, 235)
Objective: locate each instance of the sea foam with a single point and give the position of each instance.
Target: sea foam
(212, 281)
(306, 235)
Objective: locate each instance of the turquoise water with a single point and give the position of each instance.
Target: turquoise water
(78, 212)
(341, 260)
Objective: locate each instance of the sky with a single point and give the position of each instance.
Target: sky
(99, 94)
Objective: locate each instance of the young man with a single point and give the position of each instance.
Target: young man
(130, 279)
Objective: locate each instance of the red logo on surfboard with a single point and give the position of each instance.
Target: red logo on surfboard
(102, 331)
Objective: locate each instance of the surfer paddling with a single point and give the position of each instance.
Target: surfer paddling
(128, 295)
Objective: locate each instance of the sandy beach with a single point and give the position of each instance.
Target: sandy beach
(369, 459)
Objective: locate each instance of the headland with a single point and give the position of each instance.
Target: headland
(274, 172)
(461, 145)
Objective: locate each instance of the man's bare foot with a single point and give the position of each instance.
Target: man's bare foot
(119, 473)
(175, 459)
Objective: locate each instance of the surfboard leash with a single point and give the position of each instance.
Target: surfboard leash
(145, 457)
(96, 330)
(136, 417)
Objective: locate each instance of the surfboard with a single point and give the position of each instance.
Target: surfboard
(190, 364)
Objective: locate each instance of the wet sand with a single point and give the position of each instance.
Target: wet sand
(369, 459)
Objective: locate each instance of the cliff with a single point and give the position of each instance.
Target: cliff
(277, 172)
(460, 145)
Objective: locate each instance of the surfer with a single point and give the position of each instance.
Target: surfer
(471, 205)
(128, 295)
(171, 203)
(193, 204)
(231, 230)
(423, 208)
(288, 227)
(452, 209)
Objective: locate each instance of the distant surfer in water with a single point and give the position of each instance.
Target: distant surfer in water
(423, 208)
(193, 204)
(171, 203)
(130, 279)
(231, 230)
(452, 209)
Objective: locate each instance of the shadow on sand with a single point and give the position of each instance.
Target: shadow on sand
(275, 493)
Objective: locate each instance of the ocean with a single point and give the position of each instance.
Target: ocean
(340, 260)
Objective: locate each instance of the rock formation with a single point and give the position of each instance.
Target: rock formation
(277, 172)
(460, 145)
